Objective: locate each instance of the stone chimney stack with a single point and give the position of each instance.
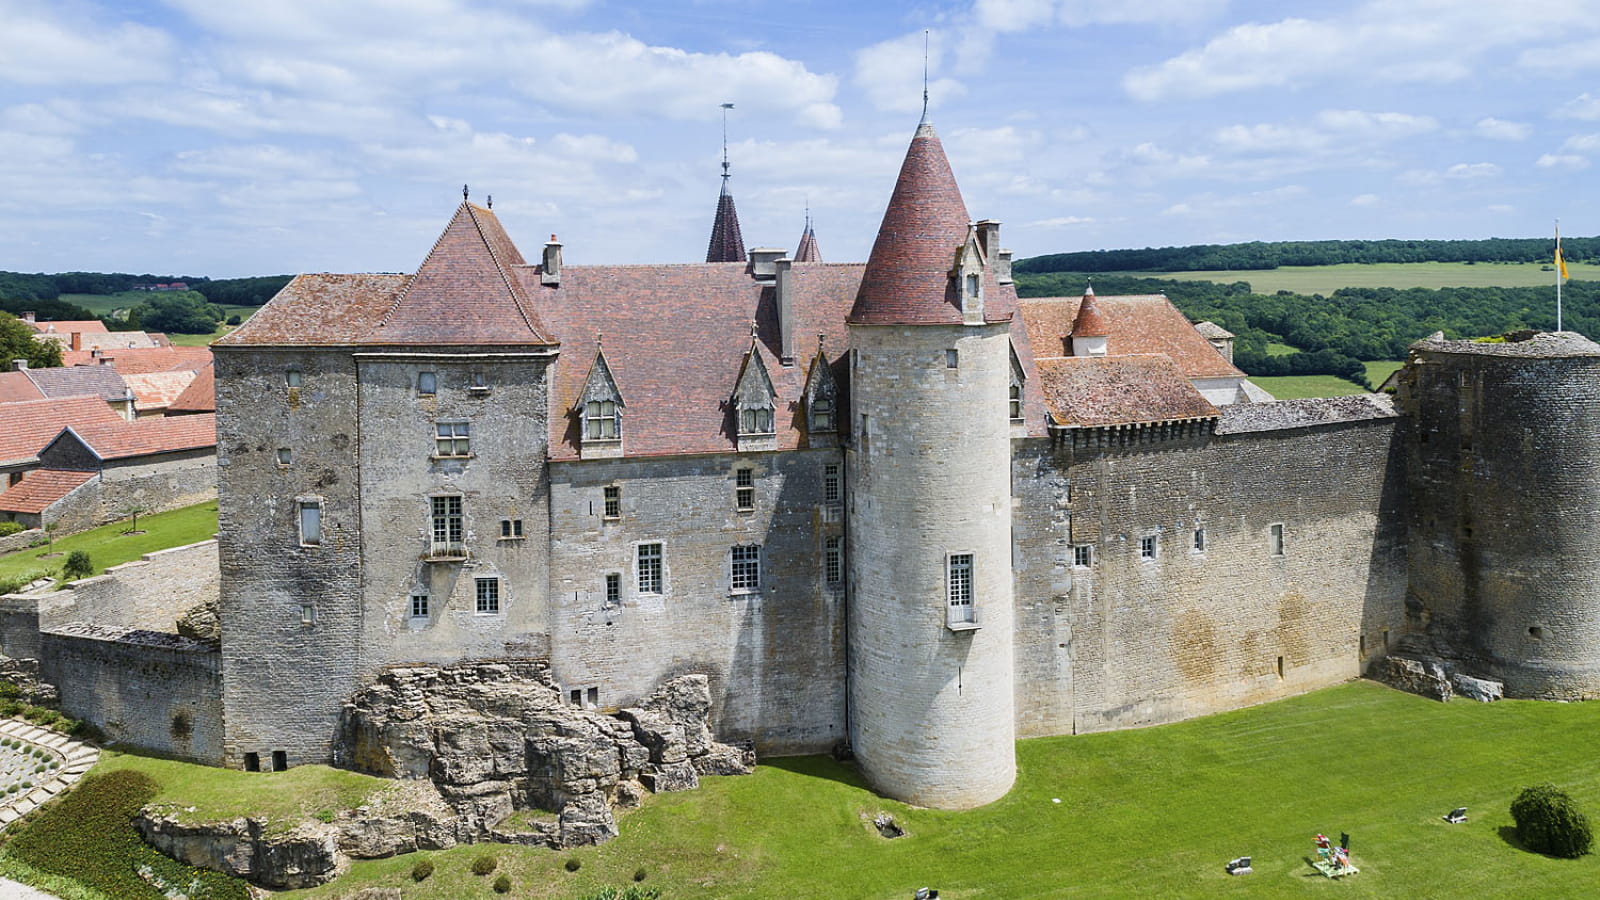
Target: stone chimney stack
(763, 262)
(19, 365)
(550, 272)
(783, 294)
(1002, 267)
(988, 240)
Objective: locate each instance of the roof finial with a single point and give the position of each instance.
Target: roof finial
(599, 338)
(924, 77)
(725, 108)
(808, 212)
(463, 193)
(490, 200)
(1089, 291)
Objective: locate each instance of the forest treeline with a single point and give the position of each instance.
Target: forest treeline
(1351, 324)
(20, 286)
(1272, 254)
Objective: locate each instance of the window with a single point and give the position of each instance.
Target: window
(952, 359)
(1200, 539)
(1147, 547)
(308, 614)
(427, 384)
(1082, 556)
(613, 498)
(746, 568)
(744, 492)
(448, 527)
(310, 523)
(292, 378)
(613, 588)
(972, 287)
(833, 560)
(600, 417)
(419, 606)
(510, 529)
(1015, 407)
(1276, 540)
(830, 484)
(488, 596)
(285, 456)
(821, 414)
(452, 439)
(756, 420)
(959, 582)
(479, 385)
(647, 565)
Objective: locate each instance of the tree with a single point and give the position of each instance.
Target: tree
(183, 312)
(1549, 822)
(17, 342)
(78, 565)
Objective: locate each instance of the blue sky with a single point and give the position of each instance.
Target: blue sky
(240, 138)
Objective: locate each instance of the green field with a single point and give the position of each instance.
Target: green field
(1327, 279)
(105, 304)
(1298, 387)
(108, 546)
(1142, 814)
(1381, 369)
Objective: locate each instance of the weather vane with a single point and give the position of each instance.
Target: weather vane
(924, 76)
(725, 108)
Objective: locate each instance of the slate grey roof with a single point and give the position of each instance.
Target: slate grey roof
(1241, 418)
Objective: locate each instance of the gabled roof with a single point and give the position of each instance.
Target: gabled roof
(319, 310)
(601, 385)
(109, 340)
(727, 241)
(15, 386)
(907, 280)
(1212, 331)
(1088, 391)
(143, 437)
(78, 381)
(157, 390)
(754, 386)
(137, 360)
(27, 427)
(1136, 324)
(39, 488)
(199, 396)
(465, 292)
(675, 338)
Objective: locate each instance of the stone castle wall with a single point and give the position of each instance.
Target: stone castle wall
(150, 593)
(775, 657)
(1129, 641)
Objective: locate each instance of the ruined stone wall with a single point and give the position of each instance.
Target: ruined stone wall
(291, 613)
(1128, 641)
(159, 693)
(502, 480)
(151, 592)
(774, 657)
(1505, 518)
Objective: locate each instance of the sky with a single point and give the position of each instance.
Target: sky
(250, 137)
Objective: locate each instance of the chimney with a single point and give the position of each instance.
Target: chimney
(19, 365)
(988, 238)
(550, 272)
(76, 341)
(29, 315)
(763, 262)
(783, 293)
(1002, 267)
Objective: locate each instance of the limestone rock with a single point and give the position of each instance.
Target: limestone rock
(1424, 677)
(726, 759)
(679, 776)
(587, 820)
(1479, 689)
(202, 623)
(301, 857)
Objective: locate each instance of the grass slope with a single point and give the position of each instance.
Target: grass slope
(108, 546)
(1327, 279)
(1147, 813)
(1297, 387)
(283, 798)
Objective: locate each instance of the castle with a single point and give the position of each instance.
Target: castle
(890, 505)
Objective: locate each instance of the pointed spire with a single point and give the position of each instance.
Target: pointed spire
(908, 279)
(727, 242)
(1089, 323)
(807, 251)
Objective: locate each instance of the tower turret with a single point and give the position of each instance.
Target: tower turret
(930, 661)
(727, 242)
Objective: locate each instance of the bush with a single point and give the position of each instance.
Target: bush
(234, 319)
(483, 865)
(638, 874)
(1549, 822)
(7, 529)
(502, 884)
(18, 582)
(422, 870)
(78, 565)
(574, 864)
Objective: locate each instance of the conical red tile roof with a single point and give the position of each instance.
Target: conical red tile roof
(1089, 322)
(808, 251)
(907, 279)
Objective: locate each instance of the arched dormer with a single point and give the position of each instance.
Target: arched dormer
(821, 399)
(969, 278)
(753, 402)
(599, 412)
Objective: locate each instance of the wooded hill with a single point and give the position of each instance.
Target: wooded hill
(20, 286)
(1271, 255)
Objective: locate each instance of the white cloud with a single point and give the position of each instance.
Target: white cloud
(1585, 106)
(1565, 162)
(1020, 15)
(890, 73)
(45, 44)
(1582, 143)
(1472, 171)
(1060, 222)
(1502, 130)
(1366, 200)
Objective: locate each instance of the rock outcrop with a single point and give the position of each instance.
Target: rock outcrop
(1433, 677)
(202, 623)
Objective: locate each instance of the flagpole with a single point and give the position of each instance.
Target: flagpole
(1558, 274)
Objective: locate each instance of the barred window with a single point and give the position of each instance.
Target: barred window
(600, 417)
(833, 560)
(746, 568)
(488, 596)
(452, 439)
(613, 501)
(960, 587)
(744, 489)
(648, 568)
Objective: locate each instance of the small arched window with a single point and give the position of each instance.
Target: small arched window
(601, 420)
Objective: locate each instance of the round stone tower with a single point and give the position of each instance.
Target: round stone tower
(1504, 509)
(930, 624)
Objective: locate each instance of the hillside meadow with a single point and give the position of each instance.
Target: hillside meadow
(1327, 279)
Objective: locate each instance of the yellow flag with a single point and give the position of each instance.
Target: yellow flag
(1561, 263)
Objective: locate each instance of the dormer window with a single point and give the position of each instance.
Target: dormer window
(1016, 401)
(753, 402)
(600, 420)
(599, 411)
(821, 398)
(757, 420)
(821, 414)
(972, 287)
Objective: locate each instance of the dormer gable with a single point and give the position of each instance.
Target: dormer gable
(753, 402)
(599, 410)
(821, 397)
(968, 274)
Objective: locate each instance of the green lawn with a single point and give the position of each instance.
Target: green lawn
(1276, 349)
(1327, 279)
(108, 546)
(1381, 369)
(1297, 387)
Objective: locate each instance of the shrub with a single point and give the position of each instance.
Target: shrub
(422, 870)
(638, 874)
(18, 582)
(1549, 822)
(574, 864)
(7, 529)
(502, 884)
(234, 319)
(78, 565)
(483, 865)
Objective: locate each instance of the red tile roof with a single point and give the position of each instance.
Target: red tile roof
(908, 275)
(464, 292)
(199, 396)
(157, 390)
(675, 337)
(68, 326)
(727, 241)
(808, 250)
(15, 386)
(1139, 324)
(139, 360)
(320, 310)
(121, 440)
(27, 427)
(39, 488)
(1085, 391)
(1088, 322)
